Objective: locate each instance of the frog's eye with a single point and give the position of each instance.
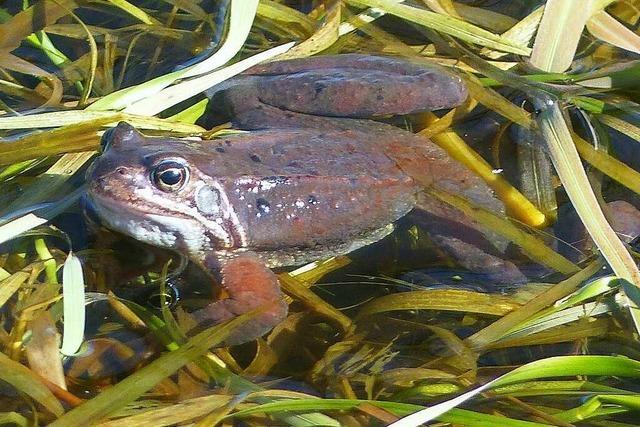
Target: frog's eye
(170, 175)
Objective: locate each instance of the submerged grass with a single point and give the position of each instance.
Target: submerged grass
(554, 353)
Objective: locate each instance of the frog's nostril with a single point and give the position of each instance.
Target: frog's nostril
(121, 171)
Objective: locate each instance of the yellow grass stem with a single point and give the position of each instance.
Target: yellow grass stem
(517, 204)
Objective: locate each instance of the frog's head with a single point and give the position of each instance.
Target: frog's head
(152, 190)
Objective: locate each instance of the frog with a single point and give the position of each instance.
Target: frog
(309, 175)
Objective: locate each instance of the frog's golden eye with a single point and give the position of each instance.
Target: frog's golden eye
(170, 175)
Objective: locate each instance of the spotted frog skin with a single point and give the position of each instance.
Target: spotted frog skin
(313, 177)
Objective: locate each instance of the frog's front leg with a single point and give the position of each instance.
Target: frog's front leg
(249, 285)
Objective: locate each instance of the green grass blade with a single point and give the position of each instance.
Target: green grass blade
(551, 367)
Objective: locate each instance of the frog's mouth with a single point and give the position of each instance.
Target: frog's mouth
(137, 223)
(159, 227)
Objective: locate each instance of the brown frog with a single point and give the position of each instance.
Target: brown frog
(312, 178)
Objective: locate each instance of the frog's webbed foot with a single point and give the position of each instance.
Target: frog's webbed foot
(250, 285)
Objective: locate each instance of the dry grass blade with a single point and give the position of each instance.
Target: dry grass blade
(620, 125)
(23, 24)
(520, 33)
(320, 40)
(11, 284)
(26, 382)
(500, 327)
(559, 33)
(269, 9)
(42, 349)
(46, 185)
(567, 163)
(67, 139)
(129, 389)
(608, 165)
(51, 89)
(185, 411)
(608, 29)
(66, 118)
(580, 330)
(437, 299)
(486, 18)
(498, 103)
(518, 206)
(134, 11)
(296, 289)
(446, 24)
(309, 274)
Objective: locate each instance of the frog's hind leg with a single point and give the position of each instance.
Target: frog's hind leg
(472, 246)
(250, 285)
(357, 86)
(306, 93)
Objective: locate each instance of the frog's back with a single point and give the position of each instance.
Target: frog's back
(304, 188)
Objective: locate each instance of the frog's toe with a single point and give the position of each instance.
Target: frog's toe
(250, 285)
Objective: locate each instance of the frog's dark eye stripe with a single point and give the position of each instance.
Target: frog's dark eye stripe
(169, 175)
